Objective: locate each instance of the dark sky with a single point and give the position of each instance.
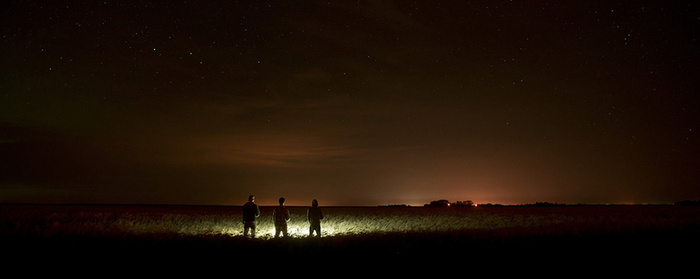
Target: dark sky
(349, 102)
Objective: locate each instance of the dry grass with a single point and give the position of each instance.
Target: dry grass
(171, 230)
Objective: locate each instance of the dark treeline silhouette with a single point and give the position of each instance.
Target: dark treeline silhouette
(687, 203)
(468, 203)
(489, 204)
(446, 203)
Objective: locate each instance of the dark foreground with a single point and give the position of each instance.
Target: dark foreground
(645, 250)
(654, 243)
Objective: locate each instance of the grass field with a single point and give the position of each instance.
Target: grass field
(204, 231)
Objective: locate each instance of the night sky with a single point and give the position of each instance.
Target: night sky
(349, 102)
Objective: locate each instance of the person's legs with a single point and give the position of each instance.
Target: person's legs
(315, 227)
(249, 226)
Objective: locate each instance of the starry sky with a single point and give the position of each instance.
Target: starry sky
(349, 102)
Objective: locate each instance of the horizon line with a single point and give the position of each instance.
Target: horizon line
(378, 205)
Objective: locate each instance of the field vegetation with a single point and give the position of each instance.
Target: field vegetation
(374, 230)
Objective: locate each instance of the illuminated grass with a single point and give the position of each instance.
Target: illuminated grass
(338, 221)
(98, 233)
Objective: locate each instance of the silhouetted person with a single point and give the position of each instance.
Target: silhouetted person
(280, 215)
(251, 212)
(314, 215)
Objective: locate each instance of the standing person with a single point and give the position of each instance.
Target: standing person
(251, 212)
(280, 215)
(314, 215)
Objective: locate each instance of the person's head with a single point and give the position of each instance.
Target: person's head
(251, 198)
(281, 201)
(314, 203)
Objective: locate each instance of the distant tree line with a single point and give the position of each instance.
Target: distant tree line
(446, 203)
(468, 203)
(687, 203)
